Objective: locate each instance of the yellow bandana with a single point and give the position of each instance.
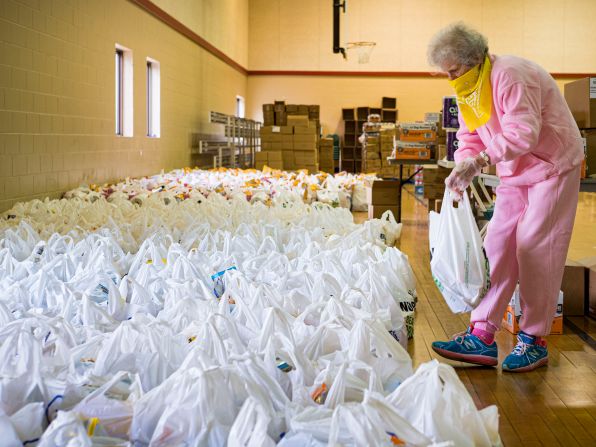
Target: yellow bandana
(474, 95)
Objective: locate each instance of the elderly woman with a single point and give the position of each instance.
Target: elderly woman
(512, 115)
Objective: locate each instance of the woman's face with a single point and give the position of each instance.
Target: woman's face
(454, 70)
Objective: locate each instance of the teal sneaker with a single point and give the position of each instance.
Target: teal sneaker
(529, 353)
(466, 347)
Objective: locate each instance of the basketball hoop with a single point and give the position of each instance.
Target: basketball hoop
(363, 50)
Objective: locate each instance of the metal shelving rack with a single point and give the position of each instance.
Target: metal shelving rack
(237, 148)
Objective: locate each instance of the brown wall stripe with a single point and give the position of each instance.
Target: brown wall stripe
(159, 13)
(385, 74)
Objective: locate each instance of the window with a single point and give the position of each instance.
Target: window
(119, 81)
(153, 98)
(123, 92)
(239, 106)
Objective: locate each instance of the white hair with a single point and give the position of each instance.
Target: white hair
(457, 43)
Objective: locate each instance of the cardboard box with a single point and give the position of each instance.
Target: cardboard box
(286, 130)
(274, 156)
(281, 118)
(261, 157)
(417, 132)
(305, 146)
(581, 99)
(372, 155)
(268, 130)
(302, 130)
(383, 192)
(376, 211)
(590, 285)
(288, 159)
(371, 166)
(276, 165)
(589, 136)
(592, 291)
(268, 118)
(298, 120)
(326, 142)
(433, 191)
(412, 150)
(270, 138)
(490, 170)
(305, 158)
(513, 314)
(441, 151)
(305, 138)
(574, 286)
(432, 117)
(389, 171)
(435, 174)
(287, 141)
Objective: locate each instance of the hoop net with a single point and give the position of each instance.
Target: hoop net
(363, 50)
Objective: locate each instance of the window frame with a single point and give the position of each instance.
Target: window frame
(153, 98)
(119, 75)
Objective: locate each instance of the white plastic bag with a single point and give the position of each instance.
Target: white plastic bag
(459, 265)
(359, 200)
(250, 427)
(437, 404)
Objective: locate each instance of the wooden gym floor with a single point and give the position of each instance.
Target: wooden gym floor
(552, 406)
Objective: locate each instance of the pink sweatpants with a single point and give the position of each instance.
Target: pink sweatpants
(527, 240)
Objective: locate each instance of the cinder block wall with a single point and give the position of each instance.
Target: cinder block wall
(57, 119)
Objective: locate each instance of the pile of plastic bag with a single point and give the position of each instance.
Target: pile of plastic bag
(214, 321)
(340, 190)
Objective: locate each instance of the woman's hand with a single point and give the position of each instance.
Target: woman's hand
(463, 174)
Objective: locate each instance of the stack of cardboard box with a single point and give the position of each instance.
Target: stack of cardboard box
(305, 143)
(277, 114)
(289, 147)
(352, 157)
(514, 312)
(290, 137)
(434, 185)
(383, 195)
(387, 144)
(437, 119)
(581, 98)
(371, 152)
(326, 155)
(579, 287)
(416, 140)
(274, 144)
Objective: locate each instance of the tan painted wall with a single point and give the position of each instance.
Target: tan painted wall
(286, 35)
(57, 95)
(223, 23)
(415, 96)
(291, 35)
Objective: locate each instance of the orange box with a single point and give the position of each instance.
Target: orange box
(418, 135)
(418, 132)
(513, 314)
(422, 152)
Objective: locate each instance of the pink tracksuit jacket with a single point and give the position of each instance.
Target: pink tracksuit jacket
(537, 148)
